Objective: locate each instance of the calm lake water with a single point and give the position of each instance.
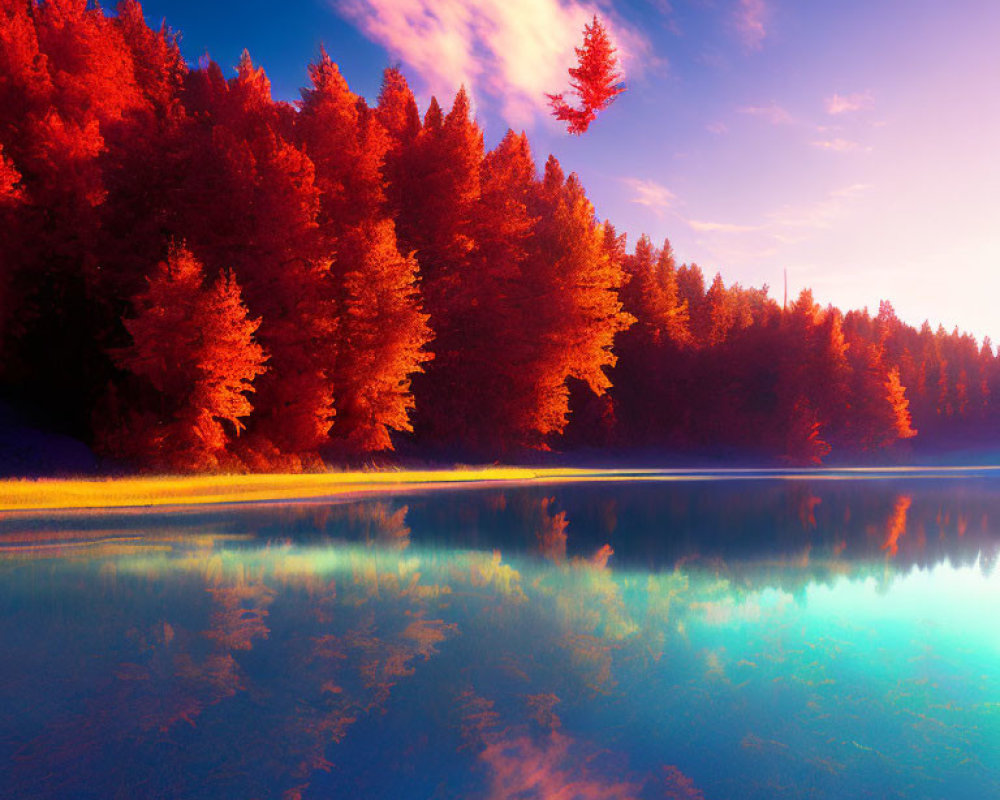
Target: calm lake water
(760, 637)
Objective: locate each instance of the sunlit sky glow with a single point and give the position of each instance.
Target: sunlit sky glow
(850, 143)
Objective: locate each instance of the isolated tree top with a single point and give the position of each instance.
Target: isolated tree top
(596, 80)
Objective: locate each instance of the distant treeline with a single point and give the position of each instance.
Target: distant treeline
(197, 277)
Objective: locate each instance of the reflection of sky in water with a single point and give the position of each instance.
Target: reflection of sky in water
(722, 641)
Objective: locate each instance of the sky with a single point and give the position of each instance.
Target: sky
(852, 143)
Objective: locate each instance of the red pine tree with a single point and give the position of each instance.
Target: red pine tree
(66, 85)
(383, 333)
(382, 330)
(497, 309)
(249, 200)
(649, 391)
(437, 221)
(397, 111)
(596, 80)
(577, 312)
(194, 345)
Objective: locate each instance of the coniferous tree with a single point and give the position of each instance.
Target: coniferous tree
(649, 375)
(194, 346)
(497, 328)
(67, 84)
(439, 226)
(596, 80)
(879, 413)
(578, 313)
(811, 381)
(240, 149)
(719, 315)
(691, 289)
(398, 113)
(382, 343)
(676, 325)
(382, 330)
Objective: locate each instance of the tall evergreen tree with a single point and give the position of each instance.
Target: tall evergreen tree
(596, 80)
(67, 84)
(194, 346)
(577, 313)
(397, 111)
(382, 330)
(439, 227)
(250, 200)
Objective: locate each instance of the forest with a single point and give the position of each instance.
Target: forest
(196, 277)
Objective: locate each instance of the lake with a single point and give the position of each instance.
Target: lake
(726, 635)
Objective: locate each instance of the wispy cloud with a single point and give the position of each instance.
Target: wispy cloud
(512, 51)
(650, 194)
(750, 19)
(845, 104)
(772, 112)
(828, 139)
(703, 226)
(784, 226)
(839, 145)
(820, 214)
(718, 128)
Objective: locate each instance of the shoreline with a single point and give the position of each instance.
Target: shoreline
(35, 496)
(30, 495)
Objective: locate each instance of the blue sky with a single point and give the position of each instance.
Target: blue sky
(851, 143)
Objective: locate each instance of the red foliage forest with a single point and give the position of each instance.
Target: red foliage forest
(195, 276)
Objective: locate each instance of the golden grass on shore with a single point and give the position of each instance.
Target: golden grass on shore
(136, 492)
(37, 496)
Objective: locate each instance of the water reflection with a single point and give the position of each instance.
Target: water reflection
(773, 640)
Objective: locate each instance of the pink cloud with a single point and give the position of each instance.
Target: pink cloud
(707, 226)
(843, 104)
(512, 51)
(773, 113)
(839, 145)
(775, 231)
(749, 19)
(822, 213)
(650, 193)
